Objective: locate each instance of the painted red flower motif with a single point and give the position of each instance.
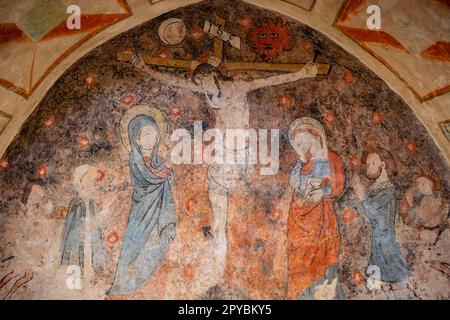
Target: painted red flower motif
(348, 215)
(286, 101)
(411, 147)
(347, 77)
(49, 121)
(198, 33)
(329, 118)
(101, 173)
(377, 117)
(61, 213)
(112, 237)
(246, 23)
(42, 171)
(174, 111)
(89, 80)
(357, 278)
(4, 164)
(127, 99)
(83, 141)
(354, 161)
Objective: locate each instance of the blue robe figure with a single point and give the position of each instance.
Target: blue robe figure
(72, 251)
(379, 205)
(151, 223)
(73, 236)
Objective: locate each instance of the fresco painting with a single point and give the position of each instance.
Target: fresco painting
(94, 206)
(39, 29)
(427, 46)
(313, 236)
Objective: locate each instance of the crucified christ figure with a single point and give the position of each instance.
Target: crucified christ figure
(228, 98)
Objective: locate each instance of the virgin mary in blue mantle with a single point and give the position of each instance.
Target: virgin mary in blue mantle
(151, 223)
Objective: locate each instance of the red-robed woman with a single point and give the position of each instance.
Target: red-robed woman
(317, 179)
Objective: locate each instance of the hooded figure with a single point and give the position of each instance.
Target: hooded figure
(151, 223)
(76, 231)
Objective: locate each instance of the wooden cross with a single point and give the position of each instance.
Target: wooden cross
(323, 69)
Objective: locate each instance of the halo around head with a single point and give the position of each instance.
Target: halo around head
(308, 123)
(138, 110)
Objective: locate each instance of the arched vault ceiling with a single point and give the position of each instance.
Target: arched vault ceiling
(410, 52)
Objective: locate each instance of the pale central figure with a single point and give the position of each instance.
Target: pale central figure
(228, 98)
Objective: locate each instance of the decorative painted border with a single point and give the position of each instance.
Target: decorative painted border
(26, 94)
(307, 9)
(422, 98)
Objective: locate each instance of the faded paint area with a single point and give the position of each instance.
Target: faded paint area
(234, 231)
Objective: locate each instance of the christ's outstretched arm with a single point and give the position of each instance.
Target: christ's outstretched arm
(167, 79)
(308, 71)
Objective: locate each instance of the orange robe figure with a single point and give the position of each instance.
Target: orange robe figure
(313, 236)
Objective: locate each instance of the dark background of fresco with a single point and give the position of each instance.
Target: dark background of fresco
(351, 92)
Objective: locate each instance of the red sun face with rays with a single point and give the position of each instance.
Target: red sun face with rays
(269, 38)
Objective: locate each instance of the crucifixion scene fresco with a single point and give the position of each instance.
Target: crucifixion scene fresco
(222, 150)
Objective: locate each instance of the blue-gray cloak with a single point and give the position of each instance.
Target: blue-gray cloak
(72, 252)
(385, 253)
(151, 223)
